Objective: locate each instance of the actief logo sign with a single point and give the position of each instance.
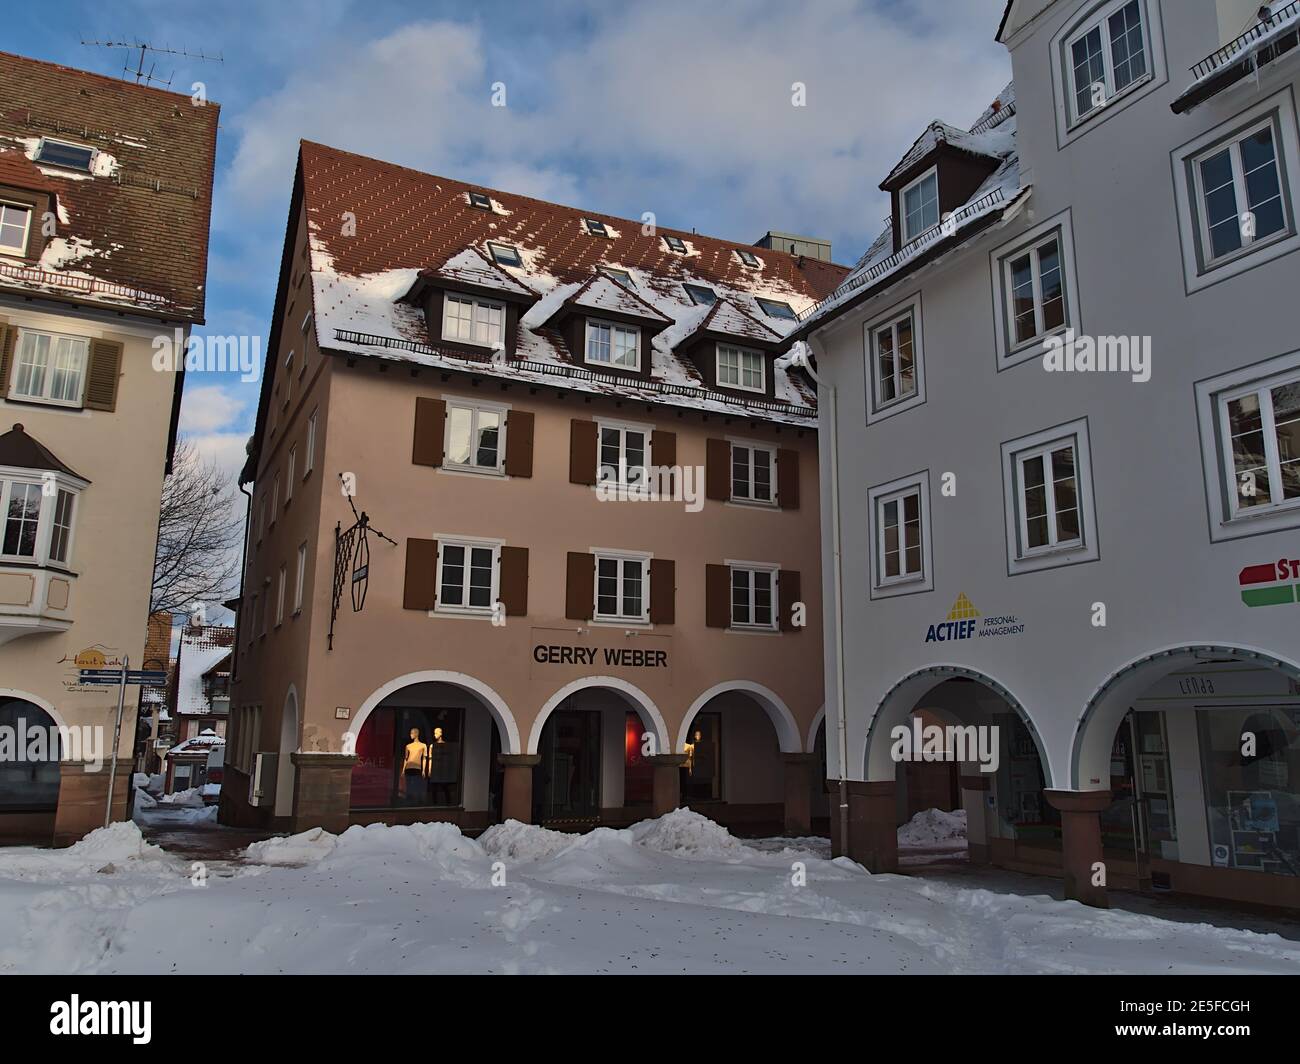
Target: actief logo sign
(963, 622)
(1271, 584)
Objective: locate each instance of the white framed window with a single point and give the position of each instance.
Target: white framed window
(15, 225)
(275, 499)
(300, 575)
(290, 473)
(1035, 291)
(777, 308)
(623, 277)
(261, 518)
(505, 254)
(899, 515)
(475, 436)
(467, 575)
(622, 587)
(918, 204)
(472, 320)
(66, 154)
(306, 324)
(611, 344)
(288, 378)
(1237, 187)
(738, 367)
(1107, 56)
(1260, 429)
(753, 597)
(279, 597)
(49, 368)
(894, 363)
(623, 453)
(37, 512)
(265, 607)
(309, 456)
(1048, 499)
(753, 472)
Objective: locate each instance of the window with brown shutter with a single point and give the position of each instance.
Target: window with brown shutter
(580, 586)
(430, 418)
(663, 448)
(663, 591)
(102, 375)
(519, 443)
(582, 454)
(788, 592)
(787, 479)
(717, 470)
(717, 596)
(7, 336)
(421, 588)
(513, 581)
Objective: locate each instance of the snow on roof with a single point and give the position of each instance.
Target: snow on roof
(995, 196)
(358, 282)
(1236, 59)
(201, 650)
(725, 317)
(471, 266)
(205, 741)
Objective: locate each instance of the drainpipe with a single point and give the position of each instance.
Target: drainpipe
(833, 454)
(243, 570)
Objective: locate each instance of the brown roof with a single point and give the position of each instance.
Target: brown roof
(21, 451)
(405, 218)
(140, 224)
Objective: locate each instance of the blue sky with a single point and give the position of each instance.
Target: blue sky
(679, 107)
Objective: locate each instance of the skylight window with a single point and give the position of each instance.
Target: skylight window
(749, 259)
(701, 295)
(480, 200)
(504, 254)
(596, 228)
(621, 276)
(676, 244)
(774, 308)
(69, 156)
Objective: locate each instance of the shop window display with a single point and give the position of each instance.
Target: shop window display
(408, 756)
(1250, 760)
(702, 773)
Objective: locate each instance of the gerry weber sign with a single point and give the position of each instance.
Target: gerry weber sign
(610, 657)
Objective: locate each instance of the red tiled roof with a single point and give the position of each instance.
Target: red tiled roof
(140, 224)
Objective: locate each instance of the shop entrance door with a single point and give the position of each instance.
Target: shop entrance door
(567, 788)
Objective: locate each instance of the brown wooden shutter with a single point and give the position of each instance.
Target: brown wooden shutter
(102, 375)
(519, 443)
(787, 479)
(717, 470)
(8, 337)
(421, 590)
(717, 596)
(514, 580)
(582, 453)
(580, 586)
(663, 448)
(430, 418)
(663, 591)
(788, 593)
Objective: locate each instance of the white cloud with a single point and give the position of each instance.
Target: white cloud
(207, 408)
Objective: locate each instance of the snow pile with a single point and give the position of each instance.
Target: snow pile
(107, 850)
(524, 842)
(144, 800)
(440, 849)
(685, 833)
(307, 847)
(934, 828)
(192, 798)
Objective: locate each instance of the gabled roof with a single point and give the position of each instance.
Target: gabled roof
(472, 267)
(17, 171)
(133, 232)
(726, 319)
(936, 134)
(21, 451)
(202, 649)
(602, 292)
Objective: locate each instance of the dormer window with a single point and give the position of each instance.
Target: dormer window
(480, 200)
(919, 205)
(471, 320)
(596, 227)
(701, 295)
(741, 368)
(676, 244)
(68, 156)
(610, 344)
(621, 276)
(504, 254)
(748, 258)
(774, 308)
(15, 222)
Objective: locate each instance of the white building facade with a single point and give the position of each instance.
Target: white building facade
(1061, 458)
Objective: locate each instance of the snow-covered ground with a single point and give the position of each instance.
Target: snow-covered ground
(677, 894)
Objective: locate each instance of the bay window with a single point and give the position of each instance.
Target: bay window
(37, 512)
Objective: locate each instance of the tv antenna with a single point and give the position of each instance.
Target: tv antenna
(141, 75)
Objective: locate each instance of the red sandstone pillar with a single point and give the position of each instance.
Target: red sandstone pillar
(1081, 842)
(873, 826)
(667, 782)
(798, 793)
(322, 791)
(517, 786)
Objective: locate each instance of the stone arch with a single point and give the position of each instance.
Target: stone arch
(787, 730)
(906, 695)
(495, 704)
(818, 718)
(640, 700)
(1113, 698)
(289, 741)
